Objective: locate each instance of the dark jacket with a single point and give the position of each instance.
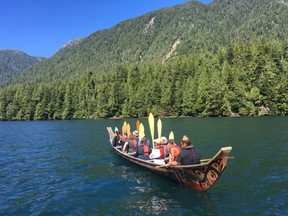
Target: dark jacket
(188, 155)
(116, 141)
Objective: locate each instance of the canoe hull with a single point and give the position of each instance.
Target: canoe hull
(200, 176)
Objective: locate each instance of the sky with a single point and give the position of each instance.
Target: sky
(41, 27)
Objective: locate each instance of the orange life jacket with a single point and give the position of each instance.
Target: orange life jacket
(177, 148)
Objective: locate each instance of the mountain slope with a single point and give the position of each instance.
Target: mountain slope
(160, 35)
(14, 62)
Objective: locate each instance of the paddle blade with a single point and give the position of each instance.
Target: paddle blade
(171, 135)
(128, 129)
(137, 125)
(159, 127)
(141, 131)
(124, 128)
(151, 125)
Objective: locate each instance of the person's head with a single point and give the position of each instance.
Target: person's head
(164, 140)
(143, 140)
(170, 143)
(131, 136)
(185, 141)
(184, 138)
(136, 133)
(157, 141)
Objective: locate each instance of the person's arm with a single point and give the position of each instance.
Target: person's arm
(172, 163)
(176, 162)
(172, 155)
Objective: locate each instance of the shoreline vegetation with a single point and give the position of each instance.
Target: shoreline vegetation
(238, 80)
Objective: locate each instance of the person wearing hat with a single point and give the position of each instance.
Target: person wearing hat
(165, 145)
(188, 155)
(136, 134)
(144, 149)
(158, 150)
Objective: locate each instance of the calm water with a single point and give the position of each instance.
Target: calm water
(68, 168)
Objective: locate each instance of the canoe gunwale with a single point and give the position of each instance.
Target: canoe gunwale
(198, 176)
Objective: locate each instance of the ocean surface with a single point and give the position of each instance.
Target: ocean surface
(69, 168)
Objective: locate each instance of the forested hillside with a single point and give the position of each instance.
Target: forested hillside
(227, 58)
(14, 62)
(241, 79)
(160, 36)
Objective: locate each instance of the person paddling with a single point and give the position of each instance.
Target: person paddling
(188, 155)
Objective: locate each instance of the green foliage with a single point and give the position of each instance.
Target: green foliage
(242, 79)
(14, 62)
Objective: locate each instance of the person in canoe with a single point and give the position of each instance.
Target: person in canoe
(188, 155)
(117, 138)
(136, 134)
(164, 143)
(144, 149)
(174, 150)
(131, 144)
(158, 151)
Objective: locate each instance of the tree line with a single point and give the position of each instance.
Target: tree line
(241, 79)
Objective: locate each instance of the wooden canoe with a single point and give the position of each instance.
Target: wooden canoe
(200, 176)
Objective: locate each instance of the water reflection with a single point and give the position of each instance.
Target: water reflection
(153, 195)
(68, 168)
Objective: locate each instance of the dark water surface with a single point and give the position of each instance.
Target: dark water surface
(68, 168)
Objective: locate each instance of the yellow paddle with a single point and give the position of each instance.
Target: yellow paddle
(128, 129)
(124, 128)
(171, 135)
(151, 125)
(141, 131)
(159, 127)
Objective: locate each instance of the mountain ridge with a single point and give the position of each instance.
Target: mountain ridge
(13, 62)
(161, 35)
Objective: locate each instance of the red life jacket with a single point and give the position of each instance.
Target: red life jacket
(162, 152)
(135, 144)
(146, 148)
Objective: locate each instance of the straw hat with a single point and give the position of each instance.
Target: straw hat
(136, 133)
(157, 141)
